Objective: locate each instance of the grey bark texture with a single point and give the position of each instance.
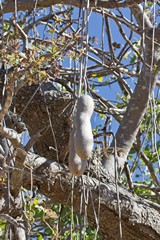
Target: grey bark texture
(48, 108)
(138, 103)
(139, 221)
(137, 106)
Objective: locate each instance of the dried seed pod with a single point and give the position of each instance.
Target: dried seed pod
(85, 104)
(77, 166)
(83, 134)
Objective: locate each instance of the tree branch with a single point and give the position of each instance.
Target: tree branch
(12, 135)
(17, 176)
(23, 5)
(139, 221)
(141, 17)
(9, 219)
(137, 106)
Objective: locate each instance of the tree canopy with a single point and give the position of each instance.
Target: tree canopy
(51, 53)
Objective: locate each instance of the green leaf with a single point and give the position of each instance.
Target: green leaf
(133, 59)
(102, 116)
(24, 190)
(42, 74)
(126, 55)
(40, 237)
(39, 212)
(100, 79)
(50, 31)
(35, 201)
(149, 4)
(94, 75)
(48, 231)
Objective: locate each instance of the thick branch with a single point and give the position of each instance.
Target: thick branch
(139, 100)
(141, 17)
(139, 221)
(12, 135)
(9, 219)
(9, 6)
(17, 176)
(56, 135)
(8, 100)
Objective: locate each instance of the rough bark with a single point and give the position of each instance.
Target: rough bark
(36, 117)
(138, 103)
(23, 5)
(139, 221)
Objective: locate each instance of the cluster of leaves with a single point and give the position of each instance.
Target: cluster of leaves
(55, 221)
(36, 56)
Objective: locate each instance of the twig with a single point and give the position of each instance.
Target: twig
(129, 179)
(142, 185)
(153, 204)
(150, 167)
(10, 219)
(16, 176)
(34, 138)
(22, 33)
(8, 102)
